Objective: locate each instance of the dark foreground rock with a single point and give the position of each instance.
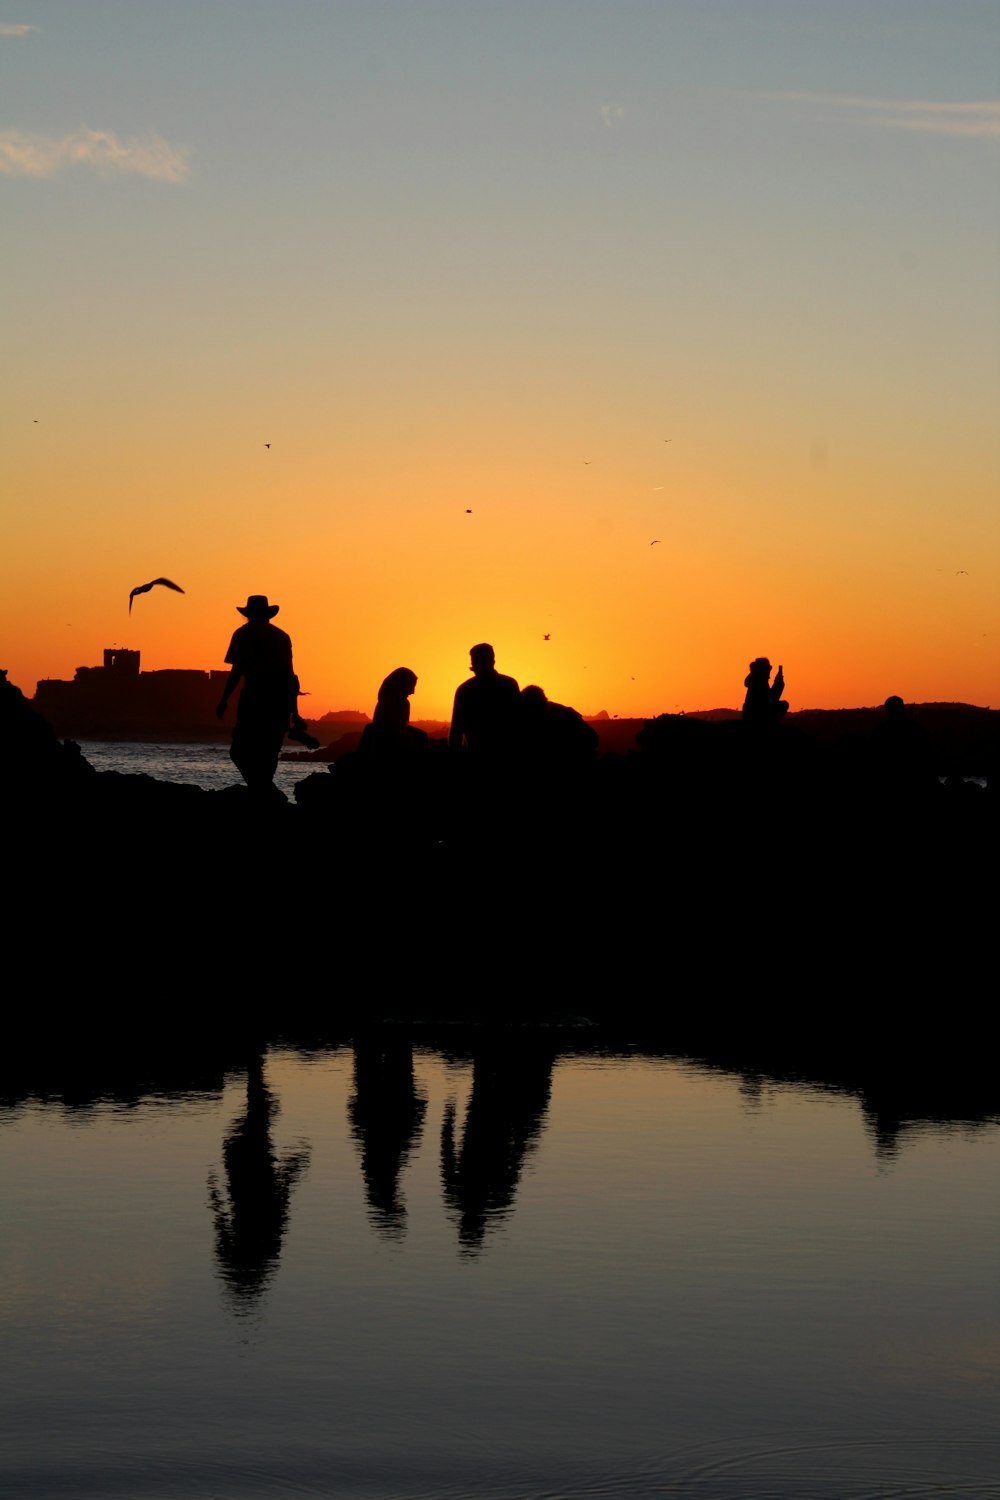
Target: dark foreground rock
(713, 891)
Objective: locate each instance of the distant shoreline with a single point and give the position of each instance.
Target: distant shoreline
(964, 740)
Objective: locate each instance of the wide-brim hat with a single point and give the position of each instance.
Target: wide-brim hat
(257, 605)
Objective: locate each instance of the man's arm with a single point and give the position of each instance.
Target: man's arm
(456, 734)
(232, 683)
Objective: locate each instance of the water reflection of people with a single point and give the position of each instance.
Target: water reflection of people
(251, 1215)
(386, 1112)
(511, 1083)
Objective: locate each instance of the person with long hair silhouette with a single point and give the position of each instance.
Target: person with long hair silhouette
(390, 733)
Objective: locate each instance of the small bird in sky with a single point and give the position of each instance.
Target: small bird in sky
(655, 542)
(267, 445)
(962, 570)
(587, 461)
(468, 512)
(546, 638)
(144, 588)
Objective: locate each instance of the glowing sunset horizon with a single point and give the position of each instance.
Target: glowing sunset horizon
(637, 341)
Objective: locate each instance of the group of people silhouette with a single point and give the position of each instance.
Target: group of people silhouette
(492, 715)
(494, 722)
(481, 1157)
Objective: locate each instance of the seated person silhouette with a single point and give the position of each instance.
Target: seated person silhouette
(763, 703)
(390, 733)
(485, 715)
(554, 733)
(902, 749)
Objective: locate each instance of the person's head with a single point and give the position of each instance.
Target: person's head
(257, 608)
(533, 699)
(400, 683)
(760, 669)
(482, 657)
(894, 707)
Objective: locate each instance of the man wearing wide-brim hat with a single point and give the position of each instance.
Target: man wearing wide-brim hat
(260, 656)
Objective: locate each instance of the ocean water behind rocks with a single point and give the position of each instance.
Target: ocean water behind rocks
(190, 764)
(202, 764)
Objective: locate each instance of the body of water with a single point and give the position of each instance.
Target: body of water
(204, 765)
(189, 763)
(512, 1268)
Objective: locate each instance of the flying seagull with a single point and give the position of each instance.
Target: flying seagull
(144, 588)
(546, 637)
(655, 542)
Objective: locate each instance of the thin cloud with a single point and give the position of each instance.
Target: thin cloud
(612, 115)
(23, 155)
(979, 118)
(15, 28)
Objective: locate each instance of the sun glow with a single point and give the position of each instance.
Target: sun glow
(633, 412)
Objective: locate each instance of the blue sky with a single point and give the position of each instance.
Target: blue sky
(442, 249)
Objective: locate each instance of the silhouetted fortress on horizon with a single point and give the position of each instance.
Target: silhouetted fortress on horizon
(119, 701)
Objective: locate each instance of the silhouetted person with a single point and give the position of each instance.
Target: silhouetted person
(763, 703)
(485, 714)
(250, 1220)
(902, 750)
(390, 734)
(387, 1115)
(260, 657)
(511, 1083)
(554, 733)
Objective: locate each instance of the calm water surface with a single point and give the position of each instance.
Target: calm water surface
(204, 765)
(407, 1274)
(189, 763)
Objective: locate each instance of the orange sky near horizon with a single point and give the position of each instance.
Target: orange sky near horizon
(369, 549)
(675, 276)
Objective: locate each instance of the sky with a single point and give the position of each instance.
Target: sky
(636, 337)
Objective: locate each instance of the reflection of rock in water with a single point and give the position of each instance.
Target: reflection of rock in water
(387, 1114)
(511, 1083)
(250, 1217)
